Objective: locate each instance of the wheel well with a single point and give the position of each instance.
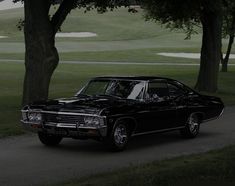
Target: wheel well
(200, 116)
(130, 122)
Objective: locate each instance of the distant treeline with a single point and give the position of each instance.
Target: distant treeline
(132, 2)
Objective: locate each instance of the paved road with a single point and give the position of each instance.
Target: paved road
(24, 161)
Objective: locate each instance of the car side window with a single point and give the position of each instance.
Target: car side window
(157, 90)
(175, 91)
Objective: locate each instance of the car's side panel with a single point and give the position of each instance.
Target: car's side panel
(159, 112)
(162, 115)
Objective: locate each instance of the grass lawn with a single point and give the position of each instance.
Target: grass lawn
(121, 37)
(213, 168)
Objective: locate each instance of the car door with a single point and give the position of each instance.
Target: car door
(160, 112)
(180, 97)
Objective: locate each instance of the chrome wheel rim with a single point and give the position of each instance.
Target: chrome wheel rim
(120, 135)
(193, 124)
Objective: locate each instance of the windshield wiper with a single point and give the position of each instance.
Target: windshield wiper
(83, 95)
(108, 95)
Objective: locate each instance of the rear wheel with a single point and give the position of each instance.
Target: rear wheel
(49, 140)
(119, 138)
(192, 127)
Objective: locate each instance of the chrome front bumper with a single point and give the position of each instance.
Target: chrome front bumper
(65, 129)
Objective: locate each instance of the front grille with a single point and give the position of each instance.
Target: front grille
(62, 118)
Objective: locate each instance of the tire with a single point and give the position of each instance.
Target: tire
(119, 137)
(192, 127)
(49, 140)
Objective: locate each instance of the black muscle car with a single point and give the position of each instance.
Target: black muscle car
(112, 109)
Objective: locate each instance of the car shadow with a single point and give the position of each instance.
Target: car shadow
(161, 139)
(136, 143)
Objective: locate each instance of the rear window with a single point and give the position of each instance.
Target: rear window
(159, 89)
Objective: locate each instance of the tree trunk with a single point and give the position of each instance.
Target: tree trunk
(41, 56)
(211, 49)
(226, 59)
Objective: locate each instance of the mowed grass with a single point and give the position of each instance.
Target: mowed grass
(8, 21)
(69, 78)
(214, 168)
(110, 26)
(137, 55)
(122, 36)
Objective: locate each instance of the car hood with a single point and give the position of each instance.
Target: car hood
(98, 105)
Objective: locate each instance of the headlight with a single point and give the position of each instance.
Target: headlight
(93, 121)
(24, 116)
(90, 120)
(34, 116)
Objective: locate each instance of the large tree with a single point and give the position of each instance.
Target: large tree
(41, 55)
(184, 14)
(228, 30)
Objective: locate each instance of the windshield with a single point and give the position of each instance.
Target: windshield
(116, 88)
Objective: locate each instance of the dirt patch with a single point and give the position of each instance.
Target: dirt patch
(8, 4)
(2, 37)
(186, 55)
(76, 34)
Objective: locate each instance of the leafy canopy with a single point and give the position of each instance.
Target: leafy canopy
(178, 14)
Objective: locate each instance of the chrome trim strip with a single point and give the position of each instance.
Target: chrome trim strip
(92, 127)
(156, 131)
(51, 124)
(61, 125)
(50, 112)
(141, 112)
(64, 113)
(221, 112)
(207, 120)
(30, 122)
(69, 125)
(32, 110)
(72, 113)
(66, 125)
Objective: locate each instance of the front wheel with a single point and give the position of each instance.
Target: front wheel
(49, 140)
(192, 127)
(119, 137)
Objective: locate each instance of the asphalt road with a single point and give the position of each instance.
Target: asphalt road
(24, 161)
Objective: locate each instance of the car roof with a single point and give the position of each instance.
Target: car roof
(134, 78)
(143, 78)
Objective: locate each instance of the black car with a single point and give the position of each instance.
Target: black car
(112, 109)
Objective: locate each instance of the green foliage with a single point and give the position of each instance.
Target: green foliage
(100, 5)
(180, 14)
(185, 14)
(228, 18)
(65, 6)
(174, 14)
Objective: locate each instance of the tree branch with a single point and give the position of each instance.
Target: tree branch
(64, 9)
